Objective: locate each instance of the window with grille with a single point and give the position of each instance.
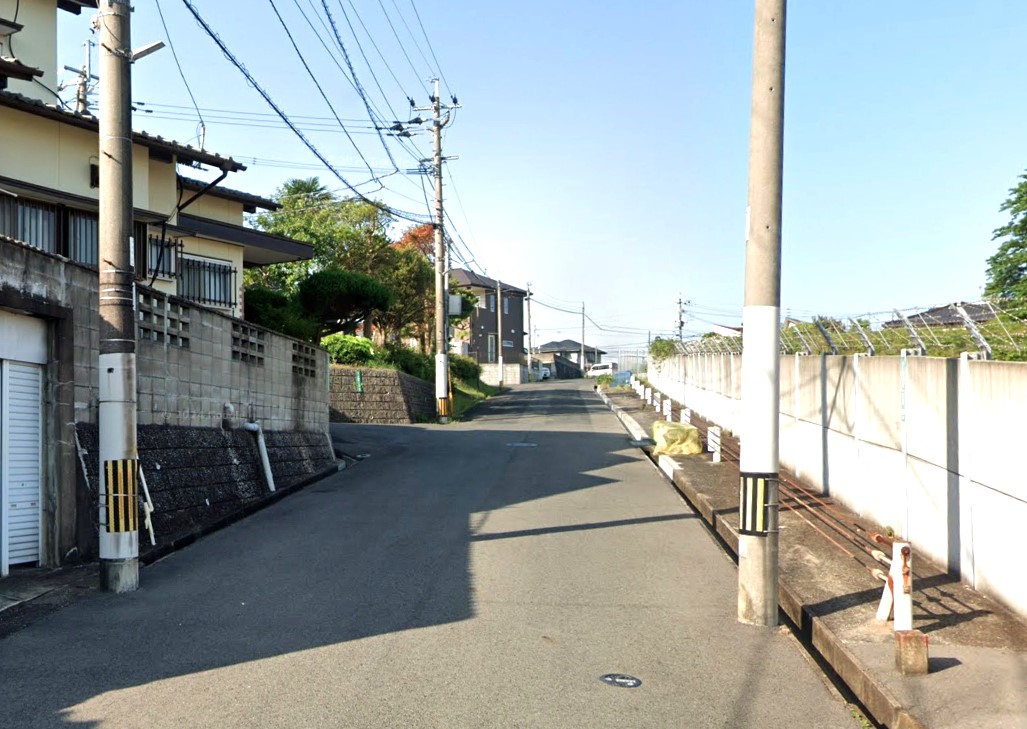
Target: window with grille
(161, 257)
(52, 228)
(206, 281)
(83, 237)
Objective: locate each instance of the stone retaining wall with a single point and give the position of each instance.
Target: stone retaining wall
(359, 395)
(200, 476)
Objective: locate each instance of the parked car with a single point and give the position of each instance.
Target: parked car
(601, 368)
(544, 373)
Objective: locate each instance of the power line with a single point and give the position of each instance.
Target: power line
(432, 50)
(321, 90)
(403, 48)
(356, 82)
(380, 54)
(411, 34)
(360, 47)
(264, 94)
(174, 54)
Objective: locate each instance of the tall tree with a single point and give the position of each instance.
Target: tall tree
(1007, 269)
(339, 299)
(421, 238)
(412, 280)
(349, 233)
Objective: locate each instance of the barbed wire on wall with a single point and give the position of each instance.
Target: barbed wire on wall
(994, 329)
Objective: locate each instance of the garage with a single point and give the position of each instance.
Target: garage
(22, 356)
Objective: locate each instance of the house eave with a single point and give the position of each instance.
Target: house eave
(249, 201)
(259, 248)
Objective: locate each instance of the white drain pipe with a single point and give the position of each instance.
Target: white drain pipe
(254, 427)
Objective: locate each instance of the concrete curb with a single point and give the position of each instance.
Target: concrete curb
(881, 702)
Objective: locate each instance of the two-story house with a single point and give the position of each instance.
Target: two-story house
(479, 337)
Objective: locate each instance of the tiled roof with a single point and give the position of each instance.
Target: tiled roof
(13, 68)
(567, 345)
(469, 278)
(248, 199)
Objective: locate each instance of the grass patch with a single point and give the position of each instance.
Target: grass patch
(468, 394)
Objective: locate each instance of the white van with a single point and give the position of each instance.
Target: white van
(601, 368)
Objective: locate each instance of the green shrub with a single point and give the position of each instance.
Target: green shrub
(464, 368)
(409, 361)
(661, 349)
(278, 312)
(348, 350)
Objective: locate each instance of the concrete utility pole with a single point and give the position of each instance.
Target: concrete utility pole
(119, 464)
(499, 329)
(681, 320)
(531, 375)
(582, 337)
(761, 387)
(441, 272)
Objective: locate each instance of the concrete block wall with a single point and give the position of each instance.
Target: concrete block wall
(382, 396)
(925, 445)
(192, 361)
(513, 373)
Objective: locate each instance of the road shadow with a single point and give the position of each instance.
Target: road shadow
(381, 547)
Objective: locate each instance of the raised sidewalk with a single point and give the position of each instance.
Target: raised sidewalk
(978, 648)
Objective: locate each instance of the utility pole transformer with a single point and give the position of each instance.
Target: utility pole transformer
(761, 364)
(119, 460)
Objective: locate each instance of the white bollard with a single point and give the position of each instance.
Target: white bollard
(713, 442)
(666, 409)
(897, 596)
(647, 395)
(686, 416)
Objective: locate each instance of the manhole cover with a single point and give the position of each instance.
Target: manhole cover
(522, 445)
(621, 679)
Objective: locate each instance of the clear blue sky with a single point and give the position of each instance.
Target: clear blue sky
(603, 146)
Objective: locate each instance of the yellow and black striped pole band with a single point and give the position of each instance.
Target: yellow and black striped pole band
(121, 479)
(757, 498)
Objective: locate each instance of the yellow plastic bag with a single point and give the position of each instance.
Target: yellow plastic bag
(676, 439)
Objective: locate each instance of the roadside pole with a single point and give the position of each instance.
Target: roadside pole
(758, 491)
(583, 367)
(119, 464)
(499, 329)
(441, 274)
(531, 373)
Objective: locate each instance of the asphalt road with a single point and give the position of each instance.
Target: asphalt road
(481, 574)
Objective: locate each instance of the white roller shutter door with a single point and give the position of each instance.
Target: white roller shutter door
(21, 467)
